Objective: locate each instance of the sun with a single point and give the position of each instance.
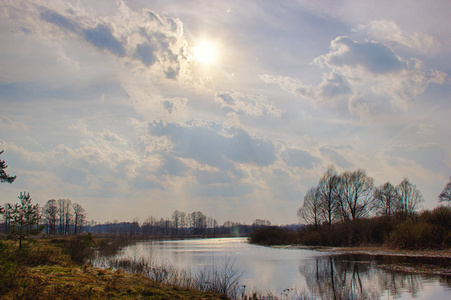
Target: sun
(205, 53)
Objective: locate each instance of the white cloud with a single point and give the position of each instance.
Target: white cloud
(388, 31)
(250, 105)
(100, 103)
(360, 69)
(332, 87)
(375, 65)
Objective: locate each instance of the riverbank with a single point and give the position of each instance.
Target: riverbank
(373, 250)
(44, 269)
(382, 251)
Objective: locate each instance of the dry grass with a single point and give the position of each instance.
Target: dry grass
(52, 275)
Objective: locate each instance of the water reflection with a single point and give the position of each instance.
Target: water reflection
(362, 277)
(325, 276)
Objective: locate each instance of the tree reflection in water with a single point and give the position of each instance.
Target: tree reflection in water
(343, 277)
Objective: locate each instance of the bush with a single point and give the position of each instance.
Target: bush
(416, 235)
(272, 235)
(430, 229)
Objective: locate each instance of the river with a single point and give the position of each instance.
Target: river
(321, 275)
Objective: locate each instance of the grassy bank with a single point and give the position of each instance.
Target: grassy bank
(52, 269)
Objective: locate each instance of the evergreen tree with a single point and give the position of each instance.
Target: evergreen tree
(24, 219)
(3, 176)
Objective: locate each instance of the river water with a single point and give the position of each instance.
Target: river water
(321, 275)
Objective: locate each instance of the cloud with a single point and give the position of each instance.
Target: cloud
(245, 104)
(142, 36)
(374, 65)
(299, 158)
(429, 156)
(374, 57)
(332, 87)
(208, 145)
(335, 158)
(8, 123)
(388, 31)
(427, 129)
(61, 21)
(361, 70)
(102, 37)
(146, 54)
(172, 166)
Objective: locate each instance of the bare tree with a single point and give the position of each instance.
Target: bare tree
(198, 222)
(50, 214)
(311, 208)
(64, 215)
(79, 217)
(261, 222)
(356, 195)
(328, 194)
(68, 216)
(184, 221)
(176, 220)
(409, 197)
(445, 195)
(386, 199)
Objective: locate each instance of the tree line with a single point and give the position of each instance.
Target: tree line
(179, 224)
(347, 209)
(352, 195)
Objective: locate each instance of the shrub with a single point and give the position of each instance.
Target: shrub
(416, 235)
(78, 247)
(272, 235)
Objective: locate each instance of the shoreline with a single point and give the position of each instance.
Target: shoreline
(381, 251)
(373, 250)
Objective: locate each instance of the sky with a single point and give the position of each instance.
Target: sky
(138, 108)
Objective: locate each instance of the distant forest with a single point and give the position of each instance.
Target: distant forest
(62, 217)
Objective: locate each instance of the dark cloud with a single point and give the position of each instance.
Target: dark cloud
(172, 72)
(59, 20)
(299, 158)
(336, 158)
(334, 85)
(375, 57)
(207, 145)
(173, 167)
(168, 105)
(226, 97)
(102, 37)
(145, 53)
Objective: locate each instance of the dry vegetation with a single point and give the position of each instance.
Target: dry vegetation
(44, 269)
(428, 230)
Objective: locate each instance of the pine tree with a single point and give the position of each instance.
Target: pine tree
(24, 219)
(3, 176)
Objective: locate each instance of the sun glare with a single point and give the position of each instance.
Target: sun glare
(205, 53)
